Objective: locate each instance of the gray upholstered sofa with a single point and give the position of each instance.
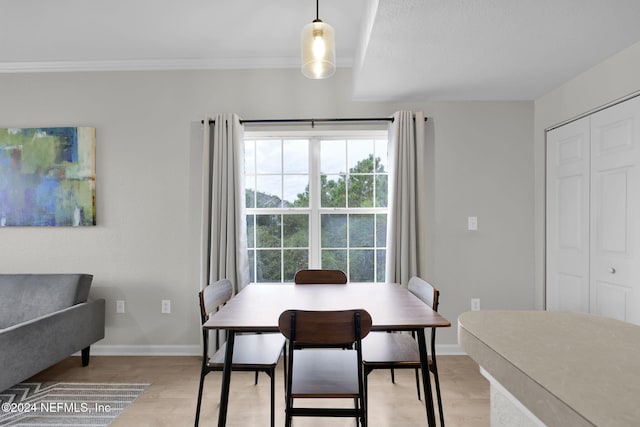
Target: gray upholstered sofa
(43, 319)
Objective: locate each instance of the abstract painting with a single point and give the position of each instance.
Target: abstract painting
(47, 176)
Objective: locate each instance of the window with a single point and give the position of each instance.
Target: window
(316, 202)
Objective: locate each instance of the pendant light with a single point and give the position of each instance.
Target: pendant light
(318, 49)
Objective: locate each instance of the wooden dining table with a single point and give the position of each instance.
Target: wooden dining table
(392, 307)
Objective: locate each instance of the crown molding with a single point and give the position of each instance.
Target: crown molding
(155, 65)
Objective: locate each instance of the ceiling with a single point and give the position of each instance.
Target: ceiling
(400, 50)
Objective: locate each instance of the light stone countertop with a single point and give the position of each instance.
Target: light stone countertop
(569, 369)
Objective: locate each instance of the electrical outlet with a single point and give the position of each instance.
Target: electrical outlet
(120, 306)
(475, 304)
(472, 223)
(166, 306)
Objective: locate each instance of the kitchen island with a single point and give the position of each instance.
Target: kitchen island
(556, 368)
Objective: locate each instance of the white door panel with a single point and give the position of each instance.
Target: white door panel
(568, 217)
(615, 212)
(612, 300)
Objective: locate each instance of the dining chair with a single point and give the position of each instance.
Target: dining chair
(320, 277)
(325, 373)
(382, 350)
(251, 352)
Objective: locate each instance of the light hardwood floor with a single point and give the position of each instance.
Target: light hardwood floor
(170, 400)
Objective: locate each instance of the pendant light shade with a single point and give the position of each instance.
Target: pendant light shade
(318, 49)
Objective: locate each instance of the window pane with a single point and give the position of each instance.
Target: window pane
(334, 191)
(333, 157)
(360, 191)
(249, 157)
(333, 259)
(382, 197)
(269, 192)
(361, 231)
(381, 155)
(252, 270)
(296, 231)
(268, 264)
(381, 230)
(333, 231)
(381, 265)
(249, 192)
(269, 156)
(268, 231)
(250, 232)
(360, 154)
(361, 265)
(296, 191)
(294, 260)
(296, 156)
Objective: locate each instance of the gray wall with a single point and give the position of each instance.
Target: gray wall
(611, 80)
(145, 247)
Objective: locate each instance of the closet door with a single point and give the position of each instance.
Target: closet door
(567, 249)
(615, 212)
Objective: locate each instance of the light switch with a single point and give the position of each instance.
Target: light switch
(472, 223)
(165, 306)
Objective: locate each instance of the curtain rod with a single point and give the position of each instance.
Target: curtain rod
(314, 121)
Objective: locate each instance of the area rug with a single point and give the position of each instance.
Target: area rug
(66, 404)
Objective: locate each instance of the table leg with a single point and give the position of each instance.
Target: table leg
(226, 380)
(426, 380)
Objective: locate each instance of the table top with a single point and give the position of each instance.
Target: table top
(569, 369)
(391, 306)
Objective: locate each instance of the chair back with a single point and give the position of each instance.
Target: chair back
(425, 291)
(320, 277)
(211, 299)
(214, 296)
(329, 328)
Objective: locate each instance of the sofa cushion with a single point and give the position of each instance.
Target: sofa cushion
(28, 296)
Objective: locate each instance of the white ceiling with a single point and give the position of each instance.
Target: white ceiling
(399, 49)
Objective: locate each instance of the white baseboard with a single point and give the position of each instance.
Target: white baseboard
(196, 350)
(146, 350)
(449, 350)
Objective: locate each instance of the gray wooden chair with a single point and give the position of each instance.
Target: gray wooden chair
(325, 373)
(320, 277)
(381, 350)
(251, 352)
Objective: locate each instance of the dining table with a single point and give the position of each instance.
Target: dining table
(257, 307)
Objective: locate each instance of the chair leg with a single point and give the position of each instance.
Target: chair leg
(202, 374)
(284, 355)
(272, 374)
(287, 419)
(365, 384)
(365, 395)
(434, 369)
(288, 381)
(364, 407)
(85, 356)
(418, 384)
(393, 376)
(256, 380)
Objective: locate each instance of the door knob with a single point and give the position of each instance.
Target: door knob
(612, 270)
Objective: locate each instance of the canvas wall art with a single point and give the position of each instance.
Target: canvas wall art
(47, 176)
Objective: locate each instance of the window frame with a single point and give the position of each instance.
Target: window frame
(315, 210)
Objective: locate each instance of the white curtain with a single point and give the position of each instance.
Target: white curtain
(224, 237)
(407, 221)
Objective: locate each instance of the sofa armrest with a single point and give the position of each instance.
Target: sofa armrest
(29, 347)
